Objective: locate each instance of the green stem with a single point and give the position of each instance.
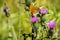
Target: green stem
(14, 33)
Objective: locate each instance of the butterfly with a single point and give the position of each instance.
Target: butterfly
(33, 9)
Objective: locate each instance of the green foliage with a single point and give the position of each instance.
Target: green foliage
(19, 20)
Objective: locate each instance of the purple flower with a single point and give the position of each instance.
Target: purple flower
(34, 19)
(51, 24)
(6, 9)
(43, 11)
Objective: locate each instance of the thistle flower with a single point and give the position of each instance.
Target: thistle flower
(6, 10)
(43, 11)
(51, 24)
(34, 19)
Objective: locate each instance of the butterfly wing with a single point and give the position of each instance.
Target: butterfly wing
(33, 9)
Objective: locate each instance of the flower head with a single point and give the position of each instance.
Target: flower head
(34, 19)
(6, 9)
(43, 11)
(51, 24)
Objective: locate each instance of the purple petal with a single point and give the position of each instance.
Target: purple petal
(43, 11)
(34, 19)
(51, 24)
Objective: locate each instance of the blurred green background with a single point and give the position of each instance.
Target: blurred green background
(18, 23)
